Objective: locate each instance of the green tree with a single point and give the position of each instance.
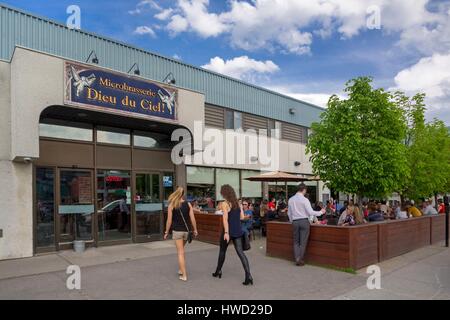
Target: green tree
(358, 146)
(429, 161)
(428, 150)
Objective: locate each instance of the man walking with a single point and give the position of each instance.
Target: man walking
(299, 211)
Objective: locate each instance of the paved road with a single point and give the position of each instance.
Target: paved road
(149, 271)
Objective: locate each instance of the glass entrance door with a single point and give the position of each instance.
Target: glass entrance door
(75, 209)
(148, 207)
(45, 209)
(114, 206)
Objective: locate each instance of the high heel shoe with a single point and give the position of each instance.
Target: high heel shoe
(248, 281)
(217, 274)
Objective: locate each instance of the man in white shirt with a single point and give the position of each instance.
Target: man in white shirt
(299, 211)
(429, 209)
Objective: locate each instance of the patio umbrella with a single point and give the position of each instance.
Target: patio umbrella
(279, 176)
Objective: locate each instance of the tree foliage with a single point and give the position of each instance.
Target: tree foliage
(428, 150)
(358, 146)
(374, 143)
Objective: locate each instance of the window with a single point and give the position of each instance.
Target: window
(250, 189)
(65, 130)
(152, 140)
(200, 187)
(233, 120)
(227, 176)
(168, 186)
(237, 120)
(274, 125)
(113, 136)
(229, 119)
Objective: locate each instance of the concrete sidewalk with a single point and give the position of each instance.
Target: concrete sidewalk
(149, 271)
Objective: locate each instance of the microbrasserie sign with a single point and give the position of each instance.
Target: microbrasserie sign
(88, 86)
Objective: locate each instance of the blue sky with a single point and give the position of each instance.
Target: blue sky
(306, 49)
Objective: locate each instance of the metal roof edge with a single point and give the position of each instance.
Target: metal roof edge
(157, 55)
(99, 67)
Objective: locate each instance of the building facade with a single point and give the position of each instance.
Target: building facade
(87, 150)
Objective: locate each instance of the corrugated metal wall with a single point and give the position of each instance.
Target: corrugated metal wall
(19, 28)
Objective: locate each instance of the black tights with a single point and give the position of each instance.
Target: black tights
(240, 252)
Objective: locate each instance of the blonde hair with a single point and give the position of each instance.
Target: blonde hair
(176, 197)
(358, 216)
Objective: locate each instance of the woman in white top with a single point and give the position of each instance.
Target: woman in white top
(401, 213)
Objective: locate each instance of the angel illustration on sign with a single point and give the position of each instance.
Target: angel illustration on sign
(168, 100)
(81, 82)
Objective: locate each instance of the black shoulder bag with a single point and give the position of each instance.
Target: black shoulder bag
(190, 234)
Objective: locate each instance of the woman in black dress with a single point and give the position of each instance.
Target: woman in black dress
(179, 216)
(232, 216)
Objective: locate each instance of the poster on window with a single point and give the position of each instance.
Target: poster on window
(85, 190)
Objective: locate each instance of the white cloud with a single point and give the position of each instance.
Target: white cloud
(142, 30)
(318, 99)
(177, 24)
(431, 75)
(177, 57)
(164, 14)
(304, 94)
(198, 19)
(142, 4)
(243, 67)
(290, 25)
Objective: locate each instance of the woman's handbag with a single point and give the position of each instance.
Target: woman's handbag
(246, 242)
(190, 236)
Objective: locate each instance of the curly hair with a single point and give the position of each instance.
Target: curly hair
(229, 195)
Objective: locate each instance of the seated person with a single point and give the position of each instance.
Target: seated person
(196, 207)
(272, 205)
(346, 217)
(413, 211)
(263, 209)
(441, 206)
(343, 208)
(384, 208)
(282, 208)
(315, 220)
(429, 209)
(271, 215)
(401, 213)
(256, 207)
(247, 223)
(318, 206)
(359, 218)
(374, 213)
(364, 209)
(329, 210)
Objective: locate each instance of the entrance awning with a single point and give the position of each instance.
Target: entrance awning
(106, 119)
